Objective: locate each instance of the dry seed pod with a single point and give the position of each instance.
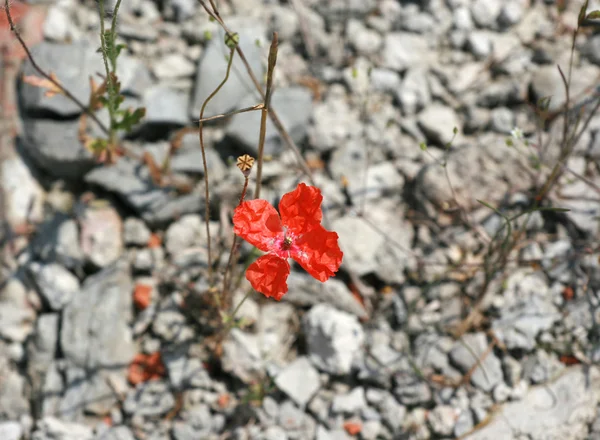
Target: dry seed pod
(245, 163)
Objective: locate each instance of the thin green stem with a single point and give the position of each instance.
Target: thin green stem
(109, 78)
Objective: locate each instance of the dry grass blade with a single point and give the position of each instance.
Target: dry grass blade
(265, 111)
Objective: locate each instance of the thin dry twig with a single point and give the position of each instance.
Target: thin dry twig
(265, 112)
(205, 164)
(39, 70)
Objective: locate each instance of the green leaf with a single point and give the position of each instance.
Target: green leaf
(423, 146)
(208, 35)
(582, 12)
(354, 72)
(120, 47)
(509, 142)
(97, 145)
(594, 15)
(129, 119)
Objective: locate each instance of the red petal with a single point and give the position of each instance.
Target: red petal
(257, 222)
(320, 254)
(301, 209)
(268, 275)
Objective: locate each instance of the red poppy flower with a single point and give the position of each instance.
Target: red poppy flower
(297, 234)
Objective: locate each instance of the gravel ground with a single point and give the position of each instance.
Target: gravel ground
(408, 116)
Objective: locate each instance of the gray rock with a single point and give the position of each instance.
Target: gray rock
(486, 12)
(17, 315)
(101, 235)
(591, 49)
(55, 283)
(349, 403)
(212, 69)
(285, 21)
(415, 20)
(381, 180)
(188, 159)
(88, 393)
(184, 371)
(402, 50)
(438, 122)
(335, 121)
(23, 195)
(371, 429)
(149, 399)
(584, 213)
(304, 290)
(242, 355)
(480, 45)
(547, 82)
(431, 354)
(171, 324)
(58, 241)
(364, 40)
(173, 65)
(414, 94)
(411, 390)
(333, 337)
(116, 433)
(299, 380)
(502, 120)
(131, 181)
(59, 25)
(196, 423)
(52, 391)
(501, 393)
(183, 9)
(511, 13)
(294, 108)
(54, 146)
(54, 428)
(484, 171)
(295, 421)
(385, 80)
(468, 352)
(461, 18)
(542, 367)
(73, 65)
(526, 312)
(41, 350)
(14, 400)
(165, 107)
(383, 250)
(11, 431)
(464, 423)
(135, 232)
(539, 417)
(392, 412)
(442, 420)
(95, 329)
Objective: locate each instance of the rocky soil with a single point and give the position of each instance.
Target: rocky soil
(407, 114)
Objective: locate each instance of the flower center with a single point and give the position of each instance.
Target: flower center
(287, 243)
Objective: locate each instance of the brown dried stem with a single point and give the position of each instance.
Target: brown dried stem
(265, 112)
(205, 165)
